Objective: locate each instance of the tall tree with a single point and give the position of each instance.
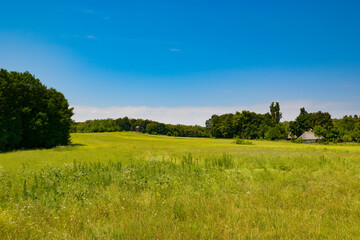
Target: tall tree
(275, 112)
(301, 123)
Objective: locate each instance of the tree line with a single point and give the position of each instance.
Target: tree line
(346, 129)
(31, 115)
(144, 126)
(34, 116)
(245, 125)
(249, 125)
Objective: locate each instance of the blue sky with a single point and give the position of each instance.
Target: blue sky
(117, 58)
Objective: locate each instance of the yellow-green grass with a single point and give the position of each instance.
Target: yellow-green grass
(136, 186)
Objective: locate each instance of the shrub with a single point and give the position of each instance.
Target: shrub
(242, 141)
(346, 138)
(277, 132)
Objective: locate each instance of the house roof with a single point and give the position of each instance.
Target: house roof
(309, 135)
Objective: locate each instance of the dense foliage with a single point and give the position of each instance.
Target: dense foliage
(31, 115)
(145, 126)
(346, 129)
(248, 125)
(306, 121)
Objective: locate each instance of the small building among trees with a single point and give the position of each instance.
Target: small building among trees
(309, 137)
(138, 129)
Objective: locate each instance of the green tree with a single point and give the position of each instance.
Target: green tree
(301, 123)
(277, 132)
(10, 112)
(31, 114)
(328, 133)
(155, 127)
(275, 112)
(213, 126)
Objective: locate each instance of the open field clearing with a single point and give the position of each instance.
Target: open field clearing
(136, 186)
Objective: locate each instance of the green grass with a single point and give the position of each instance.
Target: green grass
(135, 186)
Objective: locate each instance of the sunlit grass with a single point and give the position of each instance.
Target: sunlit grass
(135, 186)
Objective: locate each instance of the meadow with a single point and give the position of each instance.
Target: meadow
(137, 186)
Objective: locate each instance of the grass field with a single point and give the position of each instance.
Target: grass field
(135, 186)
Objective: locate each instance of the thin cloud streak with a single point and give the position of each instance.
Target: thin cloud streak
(89, 11)
(198, 115)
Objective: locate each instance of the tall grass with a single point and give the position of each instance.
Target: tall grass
(285, 194)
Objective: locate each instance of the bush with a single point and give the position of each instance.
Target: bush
(242, 142)
(277, 132)
(346, 138)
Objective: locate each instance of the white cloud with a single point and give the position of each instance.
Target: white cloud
(174, 50)
(90, 36)
(198, 115)
(89, 11)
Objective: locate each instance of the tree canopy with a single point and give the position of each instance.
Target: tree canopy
(275, 112)
(248, 125)
(146, 126)
(31, 115)
(306, 121)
